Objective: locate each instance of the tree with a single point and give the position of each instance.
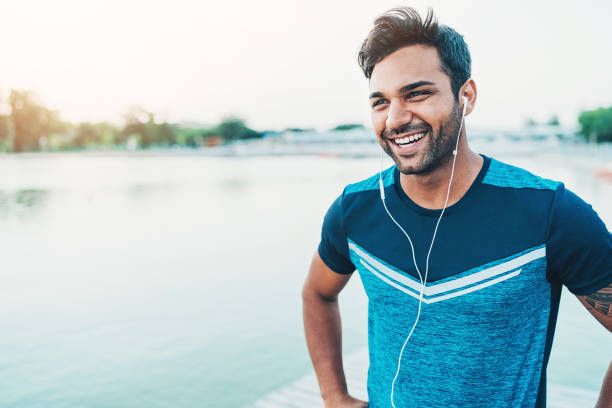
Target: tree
(596, 125)
(136, 120)
(4, 128)
(298, 130)
(86, 134)
(553, 121)
(165, 133)
(141, 123)
(348, 126)
(233, 128)
(31, 121)
(107, 133)
(529, 122)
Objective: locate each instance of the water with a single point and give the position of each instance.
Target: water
(170, 280)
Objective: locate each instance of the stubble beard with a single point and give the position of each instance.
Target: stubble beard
(438, 150)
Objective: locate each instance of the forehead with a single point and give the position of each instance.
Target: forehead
(406, 66)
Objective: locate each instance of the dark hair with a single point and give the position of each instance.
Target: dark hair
(403, 26)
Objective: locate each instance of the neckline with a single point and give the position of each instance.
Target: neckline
(450, 209)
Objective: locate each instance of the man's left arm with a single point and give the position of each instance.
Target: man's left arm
(599, 304)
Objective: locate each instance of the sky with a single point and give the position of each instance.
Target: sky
(287, 63)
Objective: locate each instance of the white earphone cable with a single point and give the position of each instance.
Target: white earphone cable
(422, 280)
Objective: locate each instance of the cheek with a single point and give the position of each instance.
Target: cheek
(435, 115)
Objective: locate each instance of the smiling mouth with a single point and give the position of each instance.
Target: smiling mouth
(408, 140)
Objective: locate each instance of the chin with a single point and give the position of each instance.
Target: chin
(416, 165)
(409, 169)
(405, 165)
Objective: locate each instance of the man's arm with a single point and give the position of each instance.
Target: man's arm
(324, 332)
(599, 304)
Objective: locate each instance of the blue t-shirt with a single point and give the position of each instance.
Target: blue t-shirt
(501, 256)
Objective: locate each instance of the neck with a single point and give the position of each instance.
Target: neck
(430, 190)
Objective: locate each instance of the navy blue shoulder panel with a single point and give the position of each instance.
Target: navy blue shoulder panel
(333, 248)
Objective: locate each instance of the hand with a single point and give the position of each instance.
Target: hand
(346, 401)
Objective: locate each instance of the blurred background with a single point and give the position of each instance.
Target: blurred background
(165, 167)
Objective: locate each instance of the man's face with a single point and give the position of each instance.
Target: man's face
(414, 113)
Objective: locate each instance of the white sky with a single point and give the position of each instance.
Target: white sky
(281, 63)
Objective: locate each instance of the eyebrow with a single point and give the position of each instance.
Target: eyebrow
(403, 89)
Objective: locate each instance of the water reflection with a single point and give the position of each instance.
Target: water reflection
(22, 203)
(146, 191)
(234, 184)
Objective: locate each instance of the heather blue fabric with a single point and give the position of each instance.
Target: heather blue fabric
(487, 320)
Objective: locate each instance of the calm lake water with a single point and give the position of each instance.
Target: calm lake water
(174, 280)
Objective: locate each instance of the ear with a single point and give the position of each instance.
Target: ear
(468, 91)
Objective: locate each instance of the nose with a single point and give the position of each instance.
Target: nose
(397, 115)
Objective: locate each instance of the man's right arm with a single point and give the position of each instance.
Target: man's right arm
(324, 332)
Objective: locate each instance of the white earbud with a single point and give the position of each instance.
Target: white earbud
(465, 104)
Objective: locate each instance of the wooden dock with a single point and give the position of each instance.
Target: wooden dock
(304, 392)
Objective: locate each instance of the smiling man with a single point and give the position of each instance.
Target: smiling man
(462, 257)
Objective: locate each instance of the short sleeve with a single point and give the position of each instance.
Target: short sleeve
(333, 248)
(579, 246)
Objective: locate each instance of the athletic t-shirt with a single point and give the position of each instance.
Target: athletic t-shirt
(500, 258)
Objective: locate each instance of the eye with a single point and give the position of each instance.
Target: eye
(378, 104)
(416, 94)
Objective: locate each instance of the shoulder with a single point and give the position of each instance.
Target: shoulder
(579, 245)
(371, 183)
(359, 197)
(505, 175)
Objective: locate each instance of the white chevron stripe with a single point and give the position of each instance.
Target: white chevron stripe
(390, 282)
(441, 297)
(488, 273)
(485, 274)
(475, 287)
(384, 269)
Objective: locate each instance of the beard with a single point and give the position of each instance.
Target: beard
(439, 148)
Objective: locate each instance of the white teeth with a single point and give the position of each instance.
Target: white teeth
(409, 139)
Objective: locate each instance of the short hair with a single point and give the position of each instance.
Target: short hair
(403, 26)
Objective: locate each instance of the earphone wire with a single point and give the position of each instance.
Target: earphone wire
(422, 280)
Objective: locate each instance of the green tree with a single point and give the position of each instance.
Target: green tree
(596, 125)
(298, 130)
(348, 126)
(530, 122)
(95, 134)
(107, 133)
(31, 121)
(233, 128)
(165, 133)
(141, 123)
(553, 121)
(193, 137)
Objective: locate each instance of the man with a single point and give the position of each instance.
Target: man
(462, 257)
